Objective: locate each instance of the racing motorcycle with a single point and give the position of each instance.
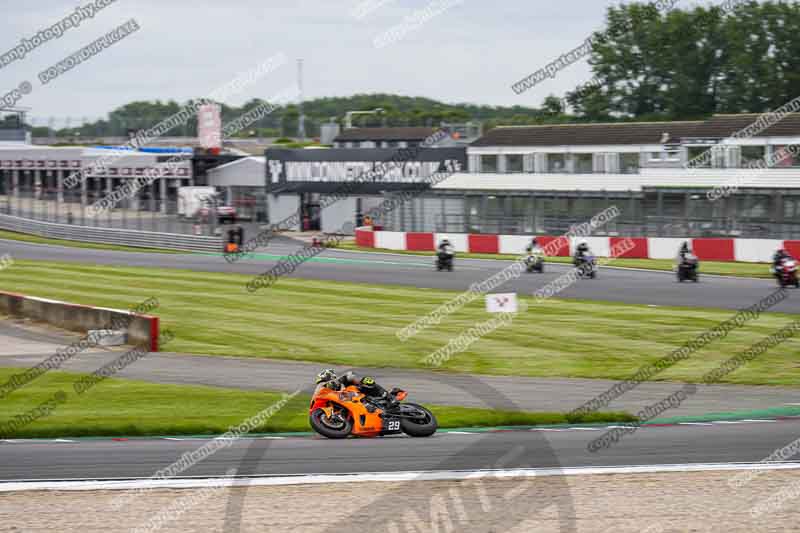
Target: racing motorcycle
(339, 414)
(786, 272)
(444, 259)
(534, 262)
(688, 268)
(587, 266)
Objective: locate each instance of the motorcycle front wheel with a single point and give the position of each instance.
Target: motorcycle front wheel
(423, 424)
(338, 428)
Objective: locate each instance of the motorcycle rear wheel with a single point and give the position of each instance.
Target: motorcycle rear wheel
(424, 427)
(319, 422)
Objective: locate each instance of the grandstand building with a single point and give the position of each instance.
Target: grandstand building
(664, 176)
(305, 180)
(39, 172)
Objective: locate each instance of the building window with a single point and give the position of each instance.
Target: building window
(489, 163)
(700, 156)
(556, 163)
(791, 207)
(752, 154)
(756, 207)
(583, 163)
(629, 163)
(655, 156)
(514, 163)
(521, 214)
(781, 158)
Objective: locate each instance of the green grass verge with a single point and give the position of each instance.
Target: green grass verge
(746, 270)
(121, 407)
(351, 324)
(24, 237)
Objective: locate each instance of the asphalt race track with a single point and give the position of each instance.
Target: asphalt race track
(105, 458)
(701, 443)
(615, 285)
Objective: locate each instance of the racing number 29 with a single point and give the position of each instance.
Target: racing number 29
(394, 425)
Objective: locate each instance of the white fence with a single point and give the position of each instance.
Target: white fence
(125, 237)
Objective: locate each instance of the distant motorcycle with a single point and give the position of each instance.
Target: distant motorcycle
(786, 272)
(444, 259)
(587, 266)
(688, 268)
(534, 263)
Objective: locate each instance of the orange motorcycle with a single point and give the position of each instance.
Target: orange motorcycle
(338, 414)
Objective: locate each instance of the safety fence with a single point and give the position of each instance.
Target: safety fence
(124, 237)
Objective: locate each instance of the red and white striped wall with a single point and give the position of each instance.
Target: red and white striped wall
(745, 250)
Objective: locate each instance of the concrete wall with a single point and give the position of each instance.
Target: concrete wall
(142, 329)
(338, 214)
(283, 206)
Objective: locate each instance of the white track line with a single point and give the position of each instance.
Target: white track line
(443, 475)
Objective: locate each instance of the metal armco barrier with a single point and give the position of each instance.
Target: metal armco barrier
(124, 237)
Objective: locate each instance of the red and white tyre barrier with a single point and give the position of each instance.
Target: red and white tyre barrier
(744, 250)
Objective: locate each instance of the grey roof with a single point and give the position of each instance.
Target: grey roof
(631, 133)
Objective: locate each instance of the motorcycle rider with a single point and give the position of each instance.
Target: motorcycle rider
(533, 246)
(684, 251)
(444, 254)
(581, 251)
(779, 257)
(366, 385)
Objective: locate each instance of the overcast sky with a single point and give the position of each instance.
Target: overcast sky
(472, 52)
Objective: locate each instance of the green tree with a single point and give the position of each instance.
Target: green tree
(690, 63)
